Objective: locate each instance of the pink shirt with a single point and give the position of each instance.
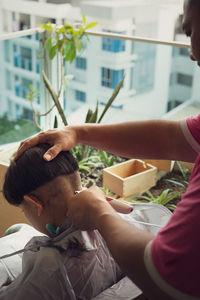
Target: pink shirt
(175, 251)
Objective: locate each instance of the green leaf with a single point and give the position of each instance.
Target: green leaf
(90, 25)
(112, 161)
(68, 27)
(78, 44)
(59, 44)
(61, 30)
(47, 27)
(85, 168)
(81, 30)
(55, 125)
(88, 116)
(172, 207)
(175, 182)
(52, 52)
(67, 47)
(84, 19)
(93, 118)
(72, 53)
(48, 43)
(162, 195)
(31, 87)
(181, 169)
(67, 56)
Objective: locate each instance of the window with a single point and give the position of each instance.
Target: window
(184, 79)
(10, 107)
(14, 48)
(172, 104)
(18, 111)
(80, 96)
(184, 51)
(18, 89)
(8, 80)
(7, 50)
(180, 51)
(38, 95)
(27, 114)
(112, 105)
(25, 86)
(144, 67)
(81, 63)
(26, 58)
(132, 47)
(172, 79)
(110, 78)
(13, 16)
(113, 45)
(131, 78)
(65, 104)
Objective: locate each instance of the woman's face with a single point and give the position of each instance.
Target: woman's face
(191, 27)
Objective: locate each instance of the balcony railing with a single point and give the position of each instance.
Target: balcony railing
(159, 79)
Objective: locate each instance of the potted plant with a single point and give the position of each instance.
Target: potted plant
(65, 41)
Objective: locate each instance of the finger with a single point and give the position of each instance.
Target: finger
(52, 152)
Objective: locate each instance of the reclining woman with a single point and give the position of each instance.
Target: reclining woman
(72, 264)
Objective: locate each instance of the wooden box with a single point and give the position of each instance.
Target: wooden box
(130, 177)
(161, 165)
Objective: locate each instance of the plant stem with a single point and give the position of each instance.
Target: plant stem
(112, 98)
(55, 98)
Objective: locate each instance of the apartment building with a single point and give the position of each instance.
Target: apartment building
(21, 56)
(147, 88)
(184, 73)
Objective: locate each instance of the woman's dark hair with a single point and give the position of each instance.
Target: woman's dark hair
(194, 3)
(30, 171)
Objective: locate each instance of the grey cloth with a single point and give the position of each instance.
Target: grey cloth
(60, 268)
(73, 265)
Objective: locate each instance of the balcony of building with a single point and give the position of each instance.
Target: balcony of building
(159, 80)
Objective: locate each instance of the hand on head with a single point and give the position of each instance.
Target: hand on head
(62, 140)
(86, 208)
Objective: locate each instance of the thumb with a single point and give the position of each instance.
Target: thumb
(52, 152)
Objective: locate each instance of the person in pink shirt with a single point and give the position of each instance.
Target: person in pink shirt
(166, 266)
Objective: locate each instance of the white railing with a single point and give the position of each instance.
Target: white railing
(16, 34)
(101, 34)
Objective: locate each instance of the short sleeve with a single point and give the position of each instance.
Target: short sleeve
(191, 130)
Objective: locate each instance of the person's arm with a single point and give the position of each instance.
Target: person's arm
(127, 245)
(89, 210)
(154, 139)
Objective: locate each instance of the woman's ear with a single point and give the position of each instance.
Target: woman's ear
(33, 201)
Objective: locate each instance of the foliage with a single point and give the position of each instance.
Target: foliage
(183, 172)
(108, 160)
(107, 192)
(5, 124)
(184, 179)
(88, 162)
(84, 153)
(11, 131)
(163, 199)
(66, 39)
